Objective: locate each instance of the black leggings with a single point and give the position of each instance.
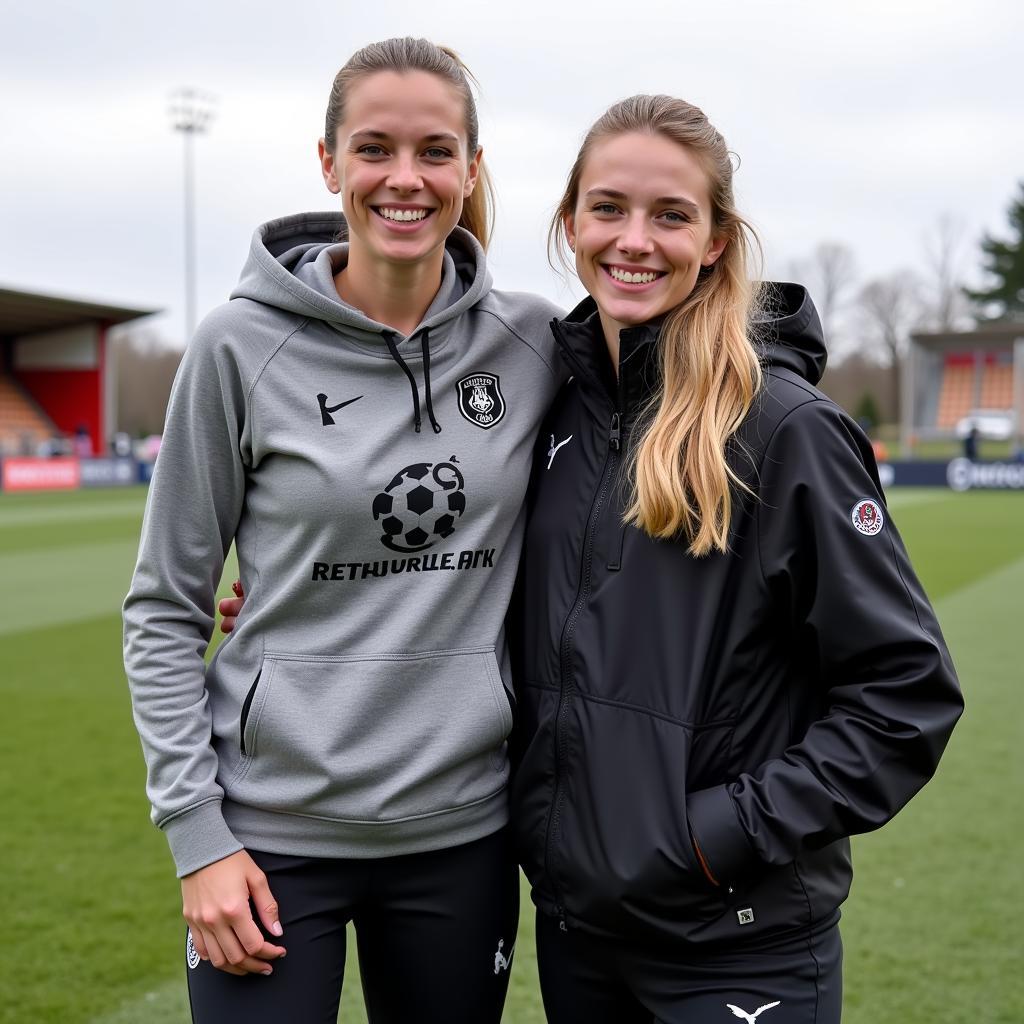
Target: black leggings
(435, 933)
(589, 980)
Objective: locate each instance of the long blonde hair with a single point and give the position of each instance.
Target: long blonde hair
(709, 370)
(409, 54)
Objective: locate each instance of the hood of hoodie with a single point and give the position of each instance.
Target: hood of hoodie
(787, 332)
(292, 262)
(291, 266)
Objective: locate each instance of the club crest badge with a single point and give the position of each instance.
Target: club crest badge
(481, 400)
(867, 517)
(191, 954)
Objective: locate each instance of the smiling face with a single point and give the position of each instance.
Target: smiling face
(641, 228)
(401, 165)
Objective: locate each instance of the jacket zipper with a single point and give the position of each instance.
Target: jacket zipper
(615, 434)
(566, 688)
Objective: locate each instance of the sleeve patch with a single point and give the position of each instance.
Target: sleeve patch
(867, 517)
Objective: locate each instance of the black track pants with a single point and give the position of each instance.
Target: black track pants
(435, 933)
(589, 980)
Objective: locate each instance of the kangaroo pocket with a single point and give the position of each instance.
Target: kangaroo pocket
(376, 737)
(622, 855)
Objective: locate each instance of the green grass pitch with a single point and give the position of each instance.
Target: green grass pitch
(92, 932)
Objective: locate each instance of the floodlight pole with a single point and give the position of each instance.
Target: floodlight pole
(191, 112)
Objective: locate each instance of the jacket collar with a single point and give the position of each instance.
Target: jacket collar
(581, 342)
(787, 334)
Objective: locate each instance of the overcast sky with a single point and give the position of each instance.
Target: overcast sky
(855, 122)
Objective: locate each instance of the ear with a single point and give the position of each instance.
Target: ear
(328, 167)
(473, 173)
(715, 249)
(569, 227)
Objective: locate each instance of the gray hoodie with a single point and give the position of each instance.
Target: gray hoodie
(374, 487)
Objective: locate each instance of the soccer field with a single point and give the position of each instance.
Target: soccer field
(94, 934)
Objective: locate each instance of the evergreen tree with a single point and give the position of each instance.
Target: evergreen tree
(1004, 262)
(866, 412)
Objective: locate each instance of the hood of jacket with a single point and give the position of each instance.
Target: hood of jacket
(790, 332)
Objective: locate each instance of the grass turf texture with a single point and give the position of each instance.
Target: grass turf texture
(93, 931)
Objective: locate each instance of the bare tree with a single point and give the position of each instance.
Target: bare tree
(888, 309)
(145, 372)
(848, 381)
(947, 307)
(830, 275)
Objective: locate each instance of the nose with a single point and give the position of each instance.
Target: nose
(635, 237)
(404, 175)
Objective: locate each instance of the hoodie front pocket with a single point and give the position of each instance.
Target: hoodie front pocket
(376, 737)
(243, 720)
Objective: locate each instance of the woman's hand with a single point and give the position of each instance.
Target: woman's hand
(215, 903)
(231, 607)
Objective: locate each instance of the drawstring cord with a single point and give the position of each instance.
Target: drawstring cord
(389, 339)
(426, 380)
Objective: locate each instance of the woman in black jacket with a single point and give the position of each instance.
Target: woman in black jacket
(726, 663)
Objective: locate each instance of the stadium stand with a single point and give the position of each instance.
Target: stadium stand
(24, 427)
(55, 378)
(950, 376)
(956, 396)
(997, 381)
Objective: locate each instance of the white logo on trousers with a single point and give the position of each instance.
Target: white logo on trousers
(501, 962)
(751, 1017)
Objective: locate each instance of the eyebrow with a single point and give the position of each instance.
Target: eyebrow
(661, 201)
(370, 133)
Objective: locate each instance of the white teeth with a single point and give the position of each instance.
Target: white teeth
(389, 214)
(627, 278)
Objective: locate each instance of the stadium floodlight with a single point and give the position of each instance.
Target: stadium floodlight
(191, 112)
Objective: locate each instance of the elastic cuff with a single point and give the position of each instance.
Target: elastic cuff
(199, 837)
(719, 834)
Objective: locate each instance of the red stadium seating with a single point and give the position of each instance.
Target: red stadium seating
(23, 426)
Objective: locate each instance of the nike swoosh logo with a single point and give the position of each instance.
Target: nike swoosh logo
(341, 405)
(326, 410)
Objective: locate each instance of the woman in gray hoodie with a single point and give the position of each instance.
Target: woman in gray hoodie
(358, 419)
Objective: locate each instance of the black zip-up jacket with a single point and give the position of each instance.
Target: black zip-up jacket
(768, 702)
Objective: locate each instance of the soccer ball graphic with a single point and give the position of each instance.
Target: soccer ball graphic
(420, 505)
